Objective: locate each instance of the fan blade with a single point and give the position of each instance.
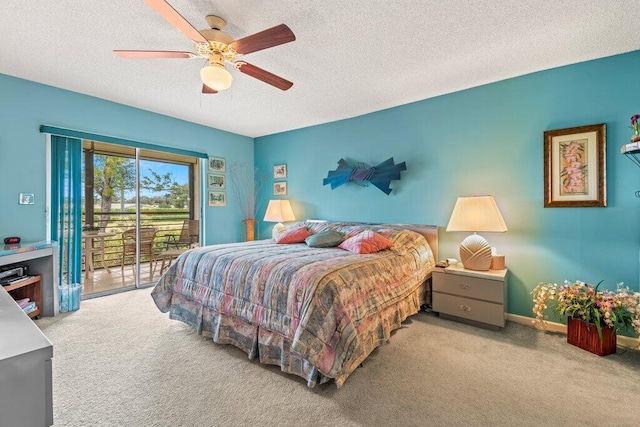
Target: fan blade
(174, 18)
(263, 75)
(153, 54)
(207, 89)
(275, 36)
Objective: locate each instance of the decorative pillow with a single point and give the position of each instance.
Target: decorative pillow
(352, 230)
(316, 227)
(387, 232)
(325, 239)
(367, 242)
(293, 235)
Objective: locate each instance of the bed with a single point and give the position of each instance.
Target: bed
(315, 312)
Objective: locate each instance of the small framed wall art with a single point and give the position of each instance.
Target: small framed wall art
(280, 188)
(217, 164)
(280, 171)
(575, 167)
(217, 198)
(216, 181)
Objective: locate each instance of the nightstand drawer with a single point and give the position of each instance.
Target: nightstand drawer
(469, 287)
(479, 311)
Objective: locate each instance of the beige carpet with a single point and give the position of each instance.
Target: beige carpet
(118, 361)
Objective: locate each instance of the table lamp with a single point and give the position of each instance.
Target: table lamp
(476, 214)
(279, 211)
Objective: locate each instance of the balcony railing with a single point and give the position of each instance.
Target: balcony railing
(169, 223)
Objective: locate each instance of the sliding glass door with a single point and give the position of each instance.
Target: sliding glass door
(134, 210)
(110, 178)
(138, 201)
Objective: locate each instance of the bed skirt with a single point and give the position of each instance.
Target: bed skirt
(275, 349)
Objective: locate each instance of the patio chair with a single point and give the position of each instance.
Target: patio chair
(189, 238)
(147, 240)
(189, 235)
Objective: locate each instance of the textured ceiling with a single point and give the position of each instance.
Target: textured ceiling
(350, 57)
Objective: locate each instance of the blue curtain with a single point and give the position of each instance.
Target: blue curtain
(66, 205)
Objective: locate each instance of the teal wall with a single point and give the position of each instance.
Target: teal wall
(486, 140)
(25, 105)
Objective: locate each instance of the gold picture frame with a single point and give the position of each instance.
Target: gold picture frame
(575, 167)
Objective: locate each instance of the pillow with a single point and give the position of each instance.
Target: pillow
(367, 242)
(316, 227)
(387, 232)
(352, 230)
(293, 235)
(325, 239)
(280, 228)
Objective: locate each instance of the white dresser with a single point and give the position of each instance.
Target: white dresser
(25, 369)
(475, 297)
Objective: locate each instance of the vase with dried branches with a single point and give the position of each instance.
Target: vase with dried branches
(247, 182)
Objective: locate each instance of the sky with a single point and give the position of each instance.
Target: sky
(179, 173)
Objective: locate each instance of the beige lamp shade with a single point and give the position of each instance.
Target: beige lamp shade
(476, 213)
(279, 211)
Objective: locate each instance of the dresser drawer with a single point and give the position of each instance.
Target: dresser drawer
(471, 309)
(470, 287)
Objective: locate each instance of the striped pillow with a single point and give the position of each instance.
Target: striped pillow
(293, 235)
(367, 242)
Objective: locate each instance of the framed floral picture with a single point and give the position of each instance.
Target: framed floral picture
(216, 180)
(217, 164)
(575, 167)
(280, 188)
(280, 171)
(217, 198)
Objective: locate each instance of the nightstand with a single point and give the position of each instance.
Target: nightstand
(469, 296)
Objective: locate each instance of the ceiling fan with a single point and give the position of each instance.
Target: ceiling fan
(218, 48)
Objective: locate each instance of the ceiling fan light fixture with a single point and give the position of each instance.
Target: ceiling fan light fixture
(216, 77)
(218, 48)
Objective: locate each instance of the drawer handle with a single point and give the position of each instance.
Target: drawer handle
(465, 286)
(465, 307)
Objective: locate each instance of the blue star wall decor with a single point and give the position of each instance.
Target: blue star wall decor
(361, 174)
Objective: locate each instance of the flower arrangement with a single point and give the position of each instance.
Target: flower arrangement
(635, 124)
(619, 309)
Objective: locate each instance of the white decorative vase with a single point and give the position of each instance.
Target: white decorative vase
(475, 253)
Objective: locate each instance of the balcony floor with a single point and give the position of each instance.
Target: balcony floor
(100, 280)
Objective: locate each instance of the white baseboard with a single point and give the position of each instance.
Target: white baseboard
(621, 340)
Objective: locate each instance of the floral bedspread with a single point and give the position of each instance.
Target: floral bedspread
(324, 300)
